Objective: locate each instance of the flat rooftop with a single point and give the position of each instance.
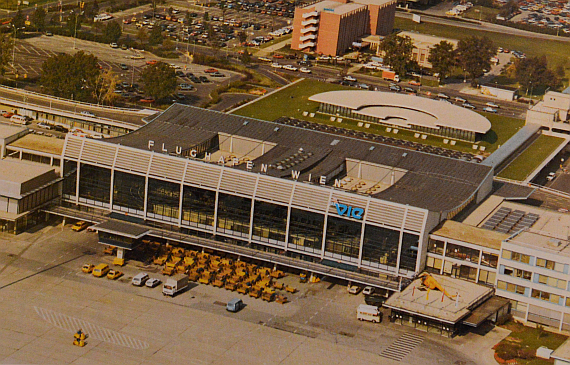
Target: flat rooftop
(17, 171)
(429, 181)
(406, 110)
(416, 301)
(549, 232)
(426, 39)
(466, 233)
(562, 352)
(9, 130)
(121, 228)
(39, 143)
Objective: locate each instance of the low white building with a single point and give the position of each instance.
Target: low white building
(552, 112)
(499, 92)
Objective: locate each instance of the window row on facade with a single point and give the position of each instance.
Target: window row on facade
(241, 217)
(464, 253)
(449, 268)
(534, 261)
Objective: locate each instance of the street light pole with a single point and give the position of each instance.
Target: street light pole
(75, 36)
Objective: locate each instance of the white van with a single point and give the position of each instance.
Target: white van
(19, 119)
(140, 279)
(368, 313)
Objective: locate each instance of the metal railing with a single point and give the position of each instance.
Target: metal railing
(102, 107)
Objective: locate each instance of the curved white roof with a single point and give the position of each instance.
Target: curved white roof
(406, 110)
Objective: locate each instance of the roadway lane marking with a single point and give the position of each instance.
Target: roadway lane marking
(72, 324)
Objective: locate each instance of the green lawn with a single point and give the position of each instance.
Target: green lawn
(481, 13)
(531, 158)
(293, 101)
(556, 51)
(529, 338)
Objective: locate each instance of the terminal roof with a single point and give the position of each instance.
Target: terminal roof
(431, 182)
(466, 233)
(406, 110)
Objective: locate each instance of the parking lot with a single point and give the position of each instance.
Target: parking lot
(32, 52)
(45, 298)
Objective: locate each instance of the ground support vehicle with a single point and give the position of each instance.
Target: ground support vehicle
(368, 313)
(175, 284)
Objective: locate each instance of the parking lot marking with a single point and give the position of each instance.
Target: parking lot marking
(402, 346)
(72, 324)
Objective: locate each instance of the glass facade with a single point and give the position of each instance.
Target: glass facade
(380, 246)
(163, 199)
(269, 222)
(70, 178)
(343, 237)
(462, 253)
(233, 215)
(95, 184)
(409, 254)
(198, 206)
(436, 246)
(306, 230)
(128, 192)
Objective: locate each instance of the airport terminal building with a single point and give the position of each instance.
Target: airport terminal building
(352, 204)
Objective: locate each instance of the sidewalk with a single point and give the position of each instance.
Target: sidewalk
(272, 48)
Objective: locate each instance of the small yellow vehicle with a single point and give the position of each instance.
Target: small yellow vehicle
(87, 268)
(114, 274)
(80, 226)
(100, 270)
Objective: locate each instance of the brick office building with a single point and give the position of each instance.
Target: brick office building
(330, 27)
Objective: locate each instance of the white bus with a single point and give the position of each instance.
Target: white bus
(19, 119)
(368, 313)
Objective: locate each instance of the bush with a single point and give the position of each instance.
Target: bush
(507, 351)
(526, 354)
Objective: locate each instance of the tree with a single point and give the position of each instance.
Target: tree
(112, 32)
(155, 38)
(91, 10)
(39, 19)
(159, 80)
(442, 58)
(397, 52)
(509, 8)
(242, 36)
(245, 58)
(105, 85)
(18, 22)
(142, 35)
(73, 24)
(474, 55)
(71, 76)
(6, 45)
(534, 72)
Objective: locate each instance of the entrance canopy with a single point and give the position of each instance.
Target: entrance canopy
(120, 234)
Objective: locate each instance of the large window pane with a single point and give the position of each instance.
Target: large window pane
(95, 183)
(198, 206)
(343, 237)
(233, 215)
(381, 245)
(306, 230)
(462, 253)
(163, 199)
(128, 191)
(70, 177)
(269, 222)
(409, 255)
(436, 246)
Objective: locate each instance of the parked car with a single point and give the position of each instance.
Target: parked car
(290, 68)
(368, 290)
(460, 99)
(114, 274)
(204, 79)
(354, 289)
(348, 78)
(123, 66)
(395, 88)
(415, 83)
(443, 96)
(88, 268)
(114, 45)
(276, 65)
(152, 282)
(304, 70)
(80, 226)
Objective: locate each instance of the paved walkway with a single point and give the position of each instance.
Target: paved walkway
(264, 52)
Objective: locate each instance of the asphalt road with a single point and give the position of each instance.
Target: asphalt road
(483, 26)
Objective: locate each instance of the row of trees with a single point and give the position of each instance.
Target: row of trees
(79, 77)
(473, 57)
(473, 54)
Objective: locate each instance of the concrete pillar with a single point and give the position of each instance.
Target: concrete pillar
(120, 253)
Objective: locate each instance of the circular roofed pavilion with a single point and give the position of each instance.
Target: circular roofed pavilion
(406, 112)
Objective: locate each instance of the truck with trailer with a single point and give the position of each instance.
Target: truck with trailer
(175, 284)
(390, 75)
